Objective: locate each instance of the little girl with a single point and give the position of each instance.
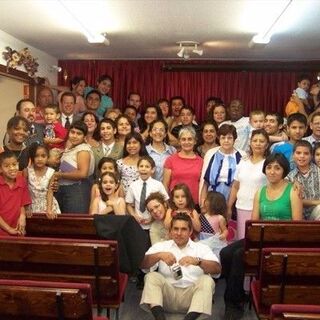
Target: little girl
(108, 202)
(39, 177)
(106, 164)
(181, 202)
(134, 148)
(316, 153)
(214, 230)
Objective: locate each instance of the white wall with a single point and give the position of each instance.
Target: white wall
(44, 59)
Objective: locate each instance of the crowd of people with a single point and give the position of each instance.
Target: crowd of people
(180, 178)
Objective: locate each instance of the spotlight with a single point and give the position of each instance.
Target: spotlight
(181, 52)
(198, 52)
(188, 47)
(55, 68)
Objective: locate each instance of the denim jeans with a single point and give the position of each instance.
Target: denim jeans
(74, 198)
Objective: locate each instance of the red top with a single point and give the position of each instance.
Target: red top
(185, 170)
(12, 200)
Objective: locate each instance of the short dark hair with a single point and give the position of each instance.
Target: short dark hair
(302, 77)
(93, 91)
(68, 94)
(79, 125)
(147, 158)
(277, 115)
(20, 102)
(182, 217)
(315, 114)
(133, 93)
(105, 77)
(53, 107)
(303, 143)
(227, 129)
(279, 158)
(14, 122)
(107, 159)
(297, 117)
(187, 108)
(6, 155)
(130, 107)
(177, 98)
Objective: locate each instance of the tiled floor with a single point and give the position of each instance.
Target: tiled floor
(130, 309)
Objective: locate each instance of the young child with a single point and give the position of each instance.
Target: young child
(54, 133)
(256, 119)
(307, 174)
(214, 230)
(316, 154)
(297, 127)
(181, 201)
(39, 177)
(14, 196)
(108, 202)
(140, 189)
(106, 164)
(299, 99)
(302, 90)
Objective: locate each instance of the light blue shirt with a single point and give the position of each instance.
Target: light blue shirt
(160, 158)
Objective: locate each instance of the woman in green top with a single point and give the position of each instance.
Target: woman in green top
(278, 200)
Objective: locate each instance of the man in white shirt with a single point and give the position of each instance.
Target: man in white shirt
(183, 282)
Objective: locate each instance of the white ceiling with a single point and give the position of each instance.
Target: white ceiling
(149, 29)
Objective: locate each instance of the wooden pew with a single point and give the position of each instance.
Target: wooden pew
(295, 312)
(68, 226)
(66, 260)
(39, 300)
(287, 276)
(275, 234)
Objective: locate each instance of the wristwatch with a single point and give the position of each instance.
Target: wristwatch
(199, 261)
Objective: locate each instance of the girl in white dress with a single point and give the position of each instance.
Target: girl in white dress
(39, 177)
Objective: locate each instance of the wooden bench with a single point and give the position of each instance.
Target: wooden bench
(289, 234)
(66, 260)
(287, 276)
(38, 300)
(294, 312)
(74, 226)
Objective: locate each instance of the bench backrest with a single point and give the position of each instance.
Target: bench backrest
(64, 260)
(289, 276)
(44, 300)
(289, 234)
(75, 226)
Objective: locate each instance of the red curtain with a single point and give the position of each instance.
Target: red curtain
(264, 90)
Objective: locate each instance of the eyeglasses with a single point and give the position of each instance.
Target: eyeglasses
(158, 130)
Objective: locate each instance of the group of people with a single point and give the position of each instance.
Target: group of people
(181, 180)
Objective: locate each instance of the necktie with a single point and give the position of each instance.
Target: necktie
(106, 150)
(67, 124)
(143, 197)
(32, 130)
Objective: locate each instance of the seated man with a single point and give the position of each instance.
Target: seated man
(183, 283)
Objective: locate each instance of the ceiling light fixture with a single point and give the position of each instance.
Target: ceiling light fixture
(187, 47)
(92, 37)
(263, 38)
(55, 68)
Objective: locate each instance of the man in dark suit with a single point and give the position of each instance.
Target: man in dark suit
(26, 109)
(68, 100)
